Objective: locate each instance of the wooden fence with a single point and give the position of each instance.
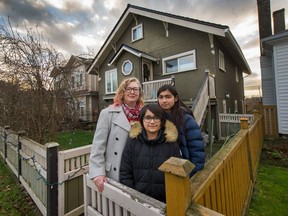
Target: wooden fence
(223, 187)
(271, 122)
(53, 178)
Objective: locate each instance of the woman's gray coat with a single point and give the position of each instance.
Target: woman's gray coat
(105, 157)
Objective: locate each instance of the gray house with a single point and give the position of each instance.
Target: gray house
(161, 48)
(83, 87)
(274, 64)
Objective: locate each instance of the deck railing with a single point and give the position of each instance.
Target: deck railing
(150, 88)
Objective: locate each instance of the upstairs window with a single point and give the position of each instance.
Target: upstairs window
(221, 61)
(111, 83)
(77, 80)
(137, 32)
(179, 63)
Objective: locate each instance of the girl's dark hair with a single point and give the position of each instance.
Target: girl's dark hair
(156, 110)
(179, 108)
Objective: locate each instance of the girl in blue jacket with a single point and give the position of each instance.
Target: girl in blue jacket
(190, 139)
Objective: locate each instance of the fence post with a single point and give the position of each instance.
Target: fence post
(177, 185)
(19, 146)
(244, 123)
(5, 141)
(255, 114)
(52, 178)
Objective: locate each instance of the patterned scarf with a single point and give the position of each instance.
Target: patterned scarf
(132, 114)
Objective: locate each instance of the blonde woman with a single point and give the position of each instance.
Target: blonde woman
(112, 131)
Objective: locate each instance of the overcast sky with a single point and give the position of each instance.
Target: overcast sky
(72, 26)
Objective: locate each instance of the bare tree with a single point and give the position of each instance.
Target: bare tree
(27, 60)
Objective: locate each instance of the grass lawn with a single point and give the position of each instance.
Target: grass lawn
(13, 198)
(73, 139)
(270, 195)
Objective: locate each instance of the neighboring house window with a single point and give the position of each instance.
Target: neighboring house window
(80, 79)
(77, 80)
(179, 63)
(73, 82)
(127, 67)
(81, 107)
(221, 60)
(235, 106)
(224, 106)
(137, 32)
(111, 81)
(236, 74)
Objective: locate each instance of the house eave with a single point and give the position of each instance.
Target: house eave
(127, 16)
(132, 51)
(239, 58)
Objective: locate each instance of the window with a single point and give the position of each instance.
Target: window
(221, 60)
(77, 80)
(127, 67)
(81, 79)
(137, 32)
(81, 107)
(179, 63)
(236, 74)
(235, 106)
(73, 82)
(224, 106)
(111, 84)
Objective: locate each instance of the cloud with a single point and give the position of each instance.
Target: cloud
(72, 26)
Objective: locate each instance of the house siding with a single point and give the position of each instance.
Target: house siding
(156, 44)
(225, 82)
(268, 81)
(281, 77)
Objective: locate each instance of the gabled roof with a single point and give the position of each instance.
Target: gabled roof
(132, 51)
(128, 15)
(73, 62)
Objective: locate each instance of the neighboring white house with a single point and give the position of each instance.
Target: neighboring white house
(274, 66)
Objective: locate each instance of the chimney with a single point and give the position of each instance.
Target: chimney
(264, 18)
(279, 20)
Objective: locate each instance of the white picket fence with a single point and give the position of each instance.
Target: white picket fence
(229, 124)
(28, 161)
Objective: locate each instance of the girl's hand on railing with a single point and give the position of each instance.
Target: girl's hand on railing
(99, 182)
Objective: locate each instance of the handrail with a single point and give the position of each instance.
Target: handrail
(118, 198)
(201, 102)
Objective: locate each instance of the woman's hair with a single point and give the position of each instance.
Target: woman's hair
(156, 110)
(179, 108)
(119, 96)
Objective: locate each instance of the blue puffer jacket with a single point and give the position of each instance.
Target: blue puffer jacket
(191, 143)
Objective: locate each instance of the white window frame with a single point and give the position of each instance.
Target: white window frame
(136, 29)
(221, 61)
(126, 73)
(109, 77)
(236, 74)
(178, 57)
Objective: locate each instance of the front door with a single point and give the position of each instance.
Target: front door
(147, 71)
